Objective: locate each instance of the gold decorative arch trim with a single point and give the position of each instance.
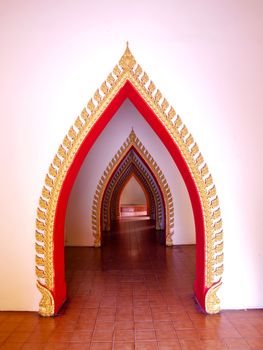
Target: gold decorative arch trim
(132, 141)
(128, 71)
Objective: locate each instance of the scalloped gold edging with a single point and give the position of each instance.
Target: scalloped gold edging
(132, 141)
(128, 69)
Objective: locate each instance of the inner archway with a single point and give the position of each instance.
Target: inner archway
(132, 154)
(127, 81)
(133, 199)
(131, 163)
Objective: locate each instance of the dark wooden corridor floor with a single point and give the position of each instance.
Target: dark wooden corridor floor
(134, 293)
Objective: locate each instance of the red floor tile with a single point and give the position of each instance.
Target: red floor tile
(124, 325)
(33, 346)
(255, 343)
(191, 344)
(169, 345)
(162, 334)
(214, 344)
(100, 346)
(78, 346)
(124, 346)
(56, 346)
(3, 336)
(236, 344)
(39, 337)
(146, 345)
(18, 337)
(59, 337)
(11, 346)
(124, 335)
(102, 335)
(188, 334)
(145, 335)
(85, 326)
(81, 336)
(163, 325)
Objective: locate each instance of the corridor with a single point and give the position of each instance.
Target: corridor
(133, 269)
(133, 293)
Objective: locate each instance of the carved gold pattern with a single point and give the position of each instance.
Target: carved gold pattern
(46, 305)
(127, 70)
(212, 301)
(132, 141)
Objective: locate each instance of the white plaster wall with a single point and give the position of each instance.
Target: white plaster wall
(79, 212)
(205, 56)
(132, 193)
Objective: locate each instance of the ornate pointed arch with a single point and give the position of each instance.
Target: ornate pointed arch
(110, 204)
(124, 157)
(108, 207)
(127, 81)
(147, 178)
(115, 203)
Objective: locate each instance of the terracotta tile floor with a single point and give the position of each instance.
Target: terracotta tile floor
(132, 294)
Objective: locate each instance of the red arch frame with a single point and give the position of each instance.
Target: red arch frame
(127, 91)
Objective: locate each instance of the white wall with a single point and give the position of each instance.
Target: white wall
(205, 56)
(78, 228)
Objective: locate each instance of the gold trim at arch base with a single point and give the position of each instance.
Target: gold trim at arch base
(211, 299)
(126, 70)
(47, 304)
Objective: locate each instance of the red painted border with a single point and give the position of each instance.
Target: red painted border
(127, 91)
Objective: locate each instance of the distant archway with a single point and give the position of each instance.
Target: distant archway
(139, 206)
(127, 81)
(132, 199)
(112, 207)
(132, 152)
(131, 163)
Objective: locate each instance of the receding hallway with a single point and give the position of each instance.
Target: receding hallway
(133, 293)
(133, 266)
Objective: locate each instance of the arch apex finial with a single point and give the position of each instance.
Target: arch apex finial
(132, 135)
(127, 61)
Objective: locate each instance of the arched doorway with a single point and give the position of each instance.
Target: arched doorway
(132, 164)
(132, 200)
(127, 81)
(132, 152)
